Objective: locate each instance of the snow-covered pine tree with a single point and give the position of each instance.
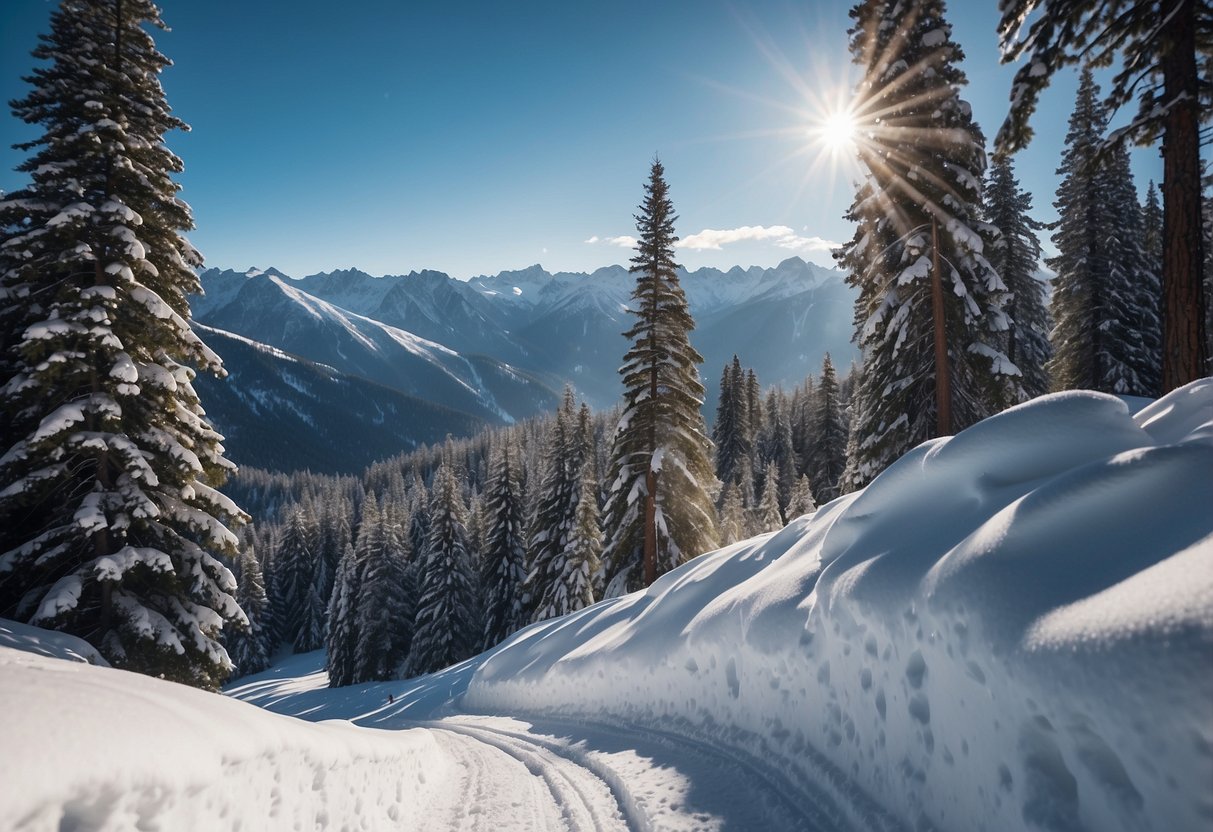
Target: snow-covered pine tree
(568, 584)
(732, 515)
(731, 433)
(1161, 50)
(553, 520)
(342, 641)
(249, 648)
(1092, 294)
(766, 517)
(448, 627)
(828, 456)
(1133, 268)
(385, 604)
(1015, 254)
(294, 573)
(110, 524)
(503, 563)
(925, 158)
(802, 502)
(779, 448)
(1151, 218)
(659, 511)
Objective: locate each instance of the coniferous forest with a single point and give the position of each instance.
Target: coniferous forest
(125, 523)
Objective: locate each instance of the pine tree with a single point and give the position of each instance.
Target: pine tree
(294, 572)
(1093, 295)
(554, 514)
(342, 642)
(503, 565)
(802, 502)
(249, 648)
(572, 588)
(385, 602)
(828, 456)
(1015, 255)
(925, 159)
(659, 512)
(110, 525)
(731, 433)
(766, 517)
(1141, 329)
(732, 516)
(448, 627)
(1162, 52)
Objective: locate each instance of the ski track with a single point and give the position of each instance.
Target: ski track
(581, 776)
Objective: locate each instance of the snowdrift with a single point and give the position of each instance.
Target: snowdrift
(1010, 628)
(96, 748)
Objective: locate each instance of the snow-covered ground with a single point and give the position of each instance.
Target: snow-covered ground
(1009, 629)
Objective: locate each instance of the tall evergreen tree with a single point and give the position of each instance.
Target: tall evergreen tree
(828, 457)
(571, 587)
(448, 627)
(733, 523)
(553, 520)
(295, 562)
(385, 601)
(925, 159)
(1162, 51)
(503, 564)
(1015, 255)
(110, 525)
(342, 642)
(731, 432)
(250, 647)
(659, 512)
(1093, 297)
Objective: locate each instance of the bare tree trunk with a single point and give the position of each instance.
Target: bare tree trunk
(1185, 350)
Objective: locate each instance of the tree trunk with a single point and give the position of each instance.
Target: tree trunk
(1184, 356)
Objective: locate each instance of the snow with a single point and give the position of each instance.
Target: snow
(1009, 628)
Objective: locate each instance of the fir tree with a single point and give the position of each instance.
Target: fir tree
(553, 519)
(802, 502)
(250, 647)
(659, 512)
(385, 601)
(342, 642)
(448, 628)
(1015, 255)
(1093, 296)
(572, 588)
(295, 562)
(732, 516)
(731, 433)
(1159, 49)
(925, 159)
(766, 517)
(110, 525)
(503, 564)
(828, 455)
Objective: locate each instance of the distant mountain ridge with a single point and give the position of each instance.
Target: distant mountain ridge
(497, 348)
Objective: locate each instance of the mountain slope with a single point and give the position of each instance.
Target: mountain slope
(284, 413)
(276, 311)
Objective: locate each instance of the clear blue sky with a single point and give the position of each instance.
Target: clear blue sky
(472, 137)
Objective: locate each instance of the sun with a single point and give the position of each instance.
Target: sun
(836, 130)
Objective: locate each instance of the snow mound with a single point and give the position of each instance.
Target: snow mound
(50, 643)
(1009, 628)
(98, 748)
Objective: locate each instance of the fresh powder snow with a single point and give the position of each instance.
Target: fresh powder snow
(1010, 628)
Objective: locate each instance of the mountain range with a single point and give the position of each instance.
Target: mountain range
(333, 370)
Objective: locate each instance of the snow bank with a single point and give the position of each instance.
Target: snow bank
(1009, 628)
(97, 748)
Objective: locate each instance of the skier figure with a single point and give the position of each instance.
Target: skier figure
(390, 699)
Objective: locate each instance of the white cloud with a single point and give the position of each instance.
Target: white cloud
(623, 241)
(796, 243)
(713, 238)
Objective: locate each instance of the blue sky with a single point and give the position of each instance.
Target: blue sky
(472, 137)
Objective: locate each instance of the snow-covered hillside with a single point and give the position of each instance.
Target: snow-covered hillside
(1011, 628)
